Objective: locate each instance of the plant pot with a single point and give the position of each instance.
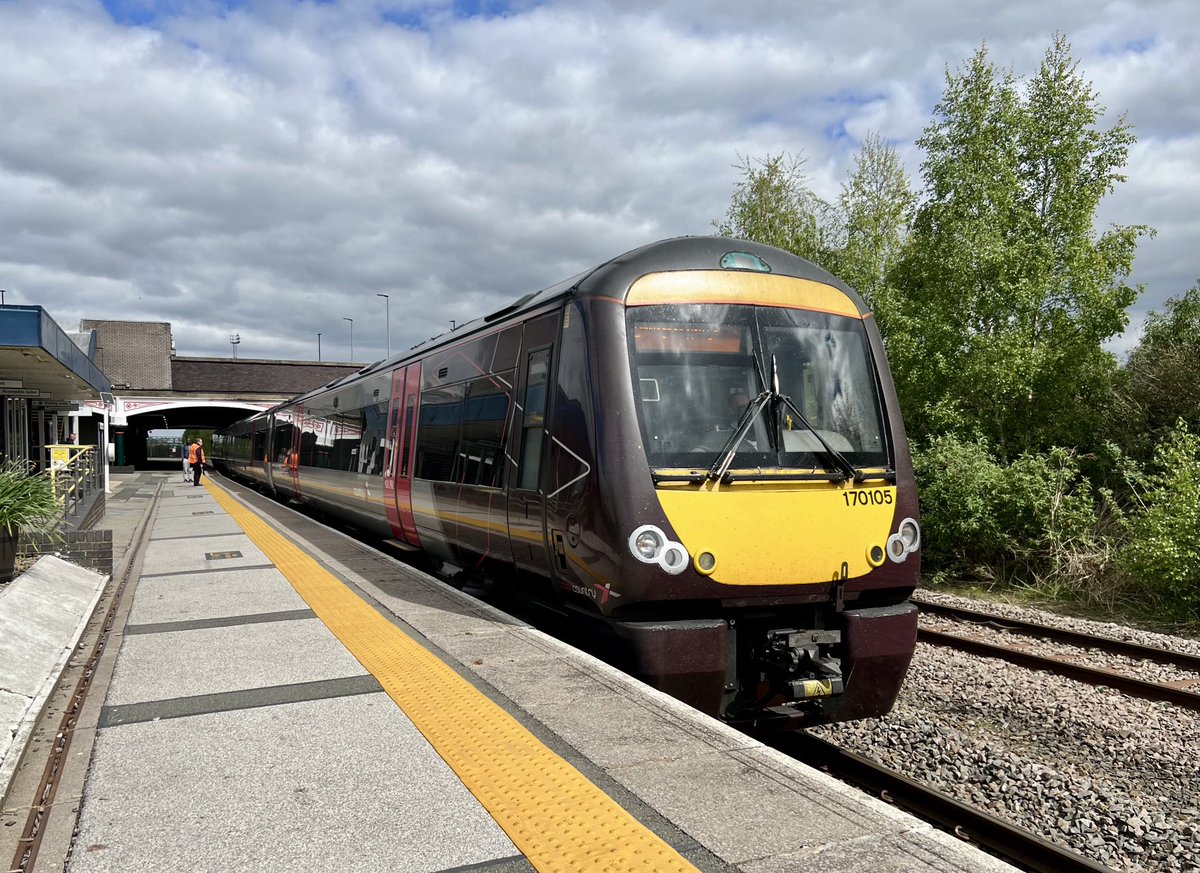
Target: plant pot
(8, 553)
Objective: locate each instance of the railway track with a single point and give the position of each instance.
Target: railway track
(1185, 692)
(1001, 838)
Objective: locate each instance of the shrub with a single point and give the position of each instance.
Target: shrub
(27, 500)
(1031, 522)
(1161, 552)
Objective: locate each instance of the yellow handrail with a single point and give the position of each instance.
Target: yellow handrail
(73, 474)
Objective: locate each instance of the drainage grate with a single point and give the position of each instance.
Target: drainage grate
(220, 556)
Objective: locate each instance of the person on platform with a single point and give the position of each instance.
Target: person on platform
(196, 459)
(187, 467)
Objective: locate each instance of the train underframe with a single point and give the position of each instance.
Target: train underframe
(783, 669)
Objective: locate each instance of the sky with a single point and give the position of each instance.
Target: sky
(265, 169)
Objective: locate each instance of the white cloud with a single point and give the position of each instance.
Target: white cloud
(267, 170)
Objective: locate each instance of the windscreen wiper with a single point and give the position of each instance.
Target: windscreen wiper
(721, 465)
(838, 459)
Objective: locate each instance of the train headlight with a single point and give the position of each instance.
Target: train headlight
(651, 546)
(905, 541)
(646, 543)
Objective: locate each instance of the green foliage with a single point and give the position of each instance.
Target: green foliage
(773, 205)
(1161, 553)
(876, 207)
(27, 500)
(1164, 369)
(1003, 282)
(1032, 520)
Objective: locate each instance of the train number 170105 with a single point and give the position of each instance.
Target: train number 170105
(868, 497)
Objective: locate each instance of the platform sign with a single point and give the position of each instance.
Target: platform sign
(20, 392)
(12, 383)
(60, 455)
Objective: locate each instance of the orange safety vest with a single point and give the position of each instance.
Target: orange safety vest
(193, 451)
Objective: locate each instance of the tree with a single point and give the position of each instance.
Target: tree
(876, 206)
(1005, 292)
(1164, 369)
(772, 204)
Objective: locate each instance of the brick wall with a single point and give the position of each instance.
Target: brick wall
(87, 548)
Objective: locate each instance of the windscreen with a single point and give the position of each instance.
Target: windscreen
(698, 366)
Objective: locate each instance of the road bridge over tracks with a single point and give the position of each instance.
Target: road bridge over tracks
(155, 389)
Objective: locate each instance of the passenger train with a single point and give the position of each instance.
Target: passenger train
(694, 449)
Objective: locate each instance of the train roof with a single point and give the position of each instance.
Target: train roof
(612, 278)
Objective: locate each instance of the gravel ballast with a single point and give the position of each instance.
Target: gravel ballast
(1114, 778)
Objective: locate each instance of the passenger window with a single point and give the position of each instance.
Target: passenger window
(534, 422)
(481, 447)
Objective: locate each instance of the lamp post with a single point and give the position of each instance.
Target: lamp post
(351, 320)
(318, 347)
(388, 321)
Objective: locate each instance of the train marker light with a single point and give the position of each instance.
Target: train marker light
(744, 261)
(706, 562)
(875, 555)
(674, 559)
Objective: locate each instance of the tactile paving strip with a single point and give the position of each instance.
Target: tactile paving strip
(559, 820)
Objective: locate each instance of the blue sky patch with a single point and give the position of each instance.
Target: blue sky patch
(1130, 47)
(142, 13)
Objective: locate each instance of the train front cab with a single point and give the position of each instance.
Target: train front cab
(779, 588)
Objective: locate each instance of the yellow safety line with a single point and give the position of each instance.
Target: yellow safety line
(557, 818)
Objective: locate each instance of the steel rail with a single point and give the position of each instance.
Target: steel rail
(999, 837)
(1063, 635)
(1092, 675)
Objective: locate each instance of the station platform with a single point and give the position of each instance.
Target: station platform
(274, 695)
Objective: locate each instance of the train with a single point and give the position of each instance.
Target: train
(693, 451)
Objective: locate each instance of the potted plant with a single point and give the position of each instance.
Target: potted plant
(27, 503)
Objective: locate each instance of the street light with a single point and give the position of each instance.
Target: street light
(351, 320)
(318, 347)
(388, 320)
(233, 341)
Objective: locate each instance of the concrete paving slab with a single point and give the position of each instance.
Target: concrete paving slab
(274, 789)
(914, 852)
(183, 556)
(212, 595)
(194, 526)
(700, 797)
(212, 660)
(640, 736)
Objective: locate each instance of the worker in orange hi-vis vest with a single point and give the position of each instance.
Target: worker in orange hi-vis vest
(196, 459)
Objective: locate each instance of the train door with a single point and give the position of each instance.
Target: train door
(391, 461)
(291, 461)
(398, 470)
(527, 444)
